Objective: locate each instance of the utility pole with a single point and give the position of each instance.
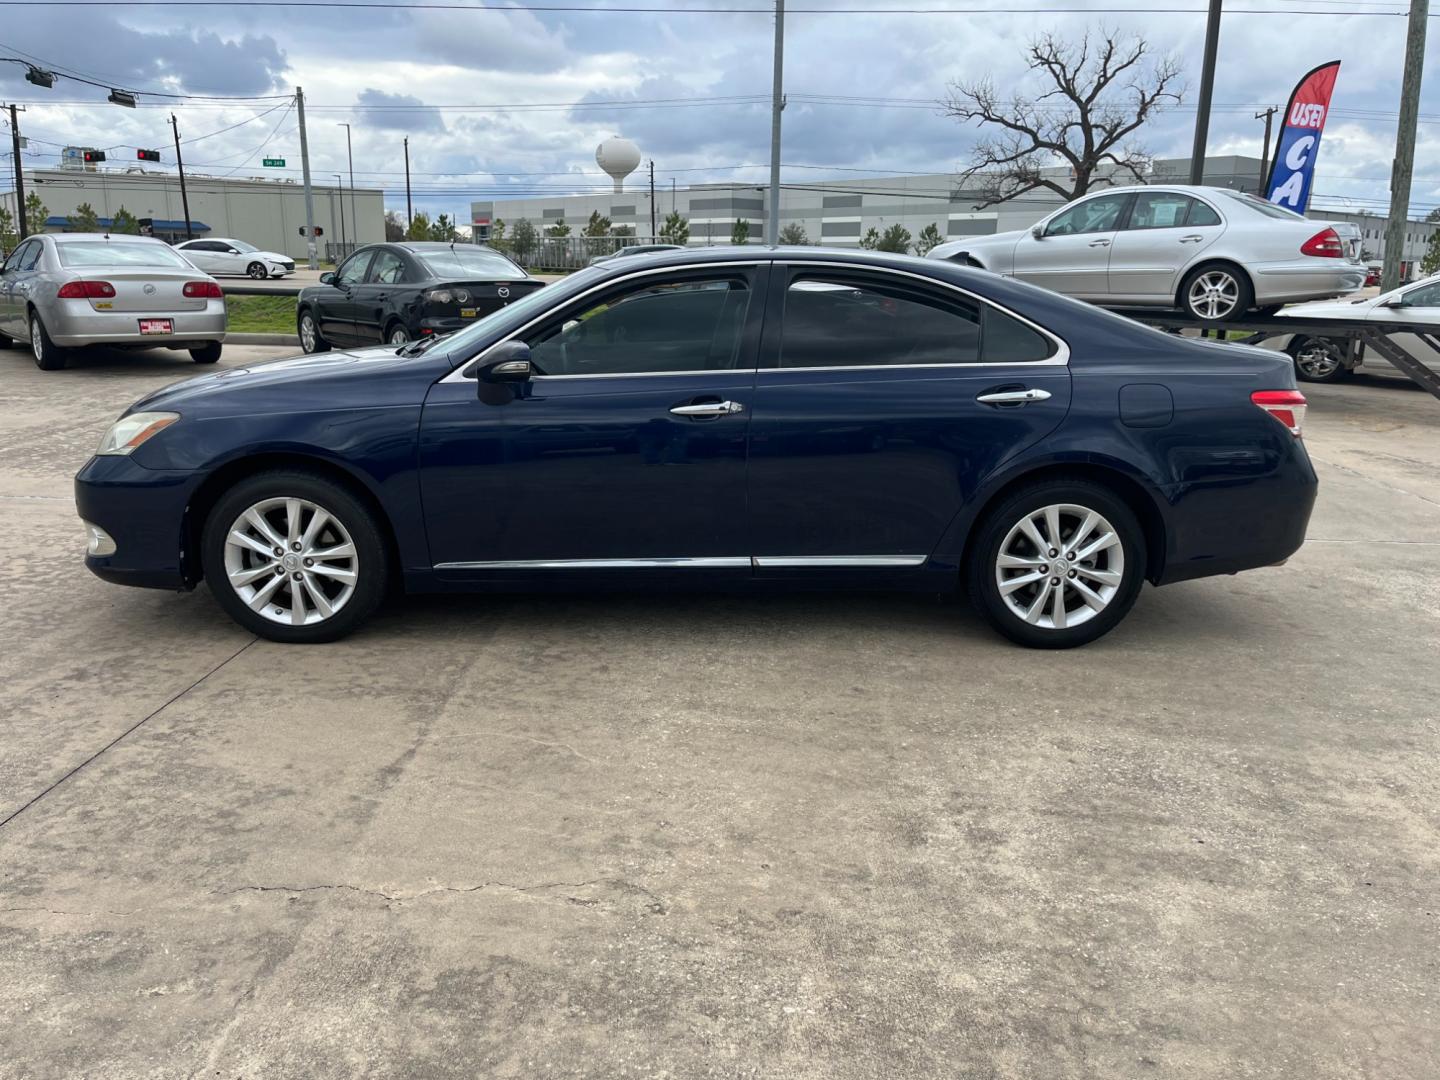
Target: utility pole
(354, 221)
(652, 197)
(180, 164)
(1207, 91)
(305, 175)
(19, 172)
(408, 213)
(777, 104)
(1400, 173)
(1267, 115)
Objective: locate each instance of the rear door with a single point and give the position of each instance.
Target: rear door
(1162, 235)
(882, 402)
(1072, 254)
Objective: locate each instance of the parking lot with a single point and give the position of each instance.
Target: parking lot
(819, 836)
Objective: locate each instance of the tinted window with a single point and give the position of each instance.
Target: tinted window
(1160, 210)
(388, 269)
(838, 323)
(1093, 215)
(87, 253)
(693, 325)
(1201, 214)
(353, 271)
(465, 262)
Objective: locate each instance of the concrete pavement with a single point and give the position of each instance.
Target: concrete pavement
(724, 836)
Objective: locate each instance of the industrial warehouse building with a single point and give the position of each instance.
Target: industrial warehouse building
(840, 212)
(268, 213)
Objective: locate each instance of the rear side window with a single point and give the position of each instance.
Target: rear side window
(843, 322)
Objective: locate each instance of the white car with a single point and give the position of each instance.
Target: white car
(235, 258)
(1213, 252)
(1320, 359)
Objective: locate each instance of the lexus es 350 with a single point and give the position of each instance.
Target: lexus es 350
(740, 416)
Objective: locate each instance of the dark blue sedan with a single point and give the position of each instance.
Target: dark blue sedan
(744, 415)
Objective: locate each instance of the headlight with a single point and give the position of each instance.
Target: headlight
(129, 432)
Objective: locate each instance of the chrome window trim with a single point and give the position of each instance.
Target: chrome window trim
(1060, 359)
(706, 562)
(458, 375)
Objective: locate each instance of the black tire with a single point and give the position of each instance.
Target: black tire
(257, 271)
(1318, 359)
(982, 569)
(1240, 295)
(48, 355)
(370, 566)
(310, 340)
(208, 353)
(396, 327)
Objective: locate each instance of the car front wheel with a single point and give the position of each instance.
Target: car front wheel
(309, 331)
(294, 557)
(1318, 360)
(1058, 564)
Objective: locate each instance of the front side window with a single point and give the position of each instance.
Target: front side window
(353, 272)
(845, 322)
(1161, 210)
(388, 269)
(1093, 215)
(691, 325)
(92, 253)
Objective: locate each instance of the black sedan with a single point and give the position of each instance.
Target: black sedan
(400, 292)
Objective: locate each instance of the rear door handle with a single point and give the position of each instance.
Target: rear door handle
(711, 409)
(1099, 243)
(1013, 397)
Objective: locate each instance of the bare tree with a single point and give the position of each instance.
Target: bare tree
(1103, 92)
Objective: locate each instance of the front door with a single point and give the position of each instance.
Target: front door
(882, 402)
(1072, 253)
(626, 450)
(336, 305)
(1164, 233)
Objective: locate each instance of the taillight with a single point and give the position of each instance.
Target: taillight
(206, 290)
(1287, 406)
(86, 290)
(1325, 245)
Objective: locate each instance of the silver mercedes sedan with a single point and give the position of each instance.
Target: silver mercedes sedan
(1215, 253)
(68, 290)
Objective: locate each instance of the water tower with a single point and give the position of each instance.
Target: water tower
(618, 157)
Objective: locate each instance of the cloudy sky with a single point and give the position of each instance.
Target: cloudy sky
(453, 82)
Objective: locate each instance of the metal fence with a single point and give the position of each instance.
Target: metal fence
(568, 252)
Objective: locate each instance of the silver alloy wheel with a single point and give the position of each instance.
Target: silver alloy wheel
(1317, 358)
(291, 561)
(1214, 294)
(1060, 566)
(398, 336)
(37, 342)
(308, 334)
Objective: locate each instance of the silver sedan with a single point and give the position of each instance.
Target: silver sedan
(65, 291)
(1212, 252)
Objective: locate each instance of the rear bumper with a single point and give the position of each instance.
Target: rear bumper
(75, 323)
(1284, 283)
(143, 511)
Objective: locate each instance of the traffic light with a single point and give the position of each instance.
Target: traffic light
(148, 155)
(93, 157)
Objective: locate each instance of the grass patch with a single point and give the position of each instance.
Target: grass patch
(261, 314)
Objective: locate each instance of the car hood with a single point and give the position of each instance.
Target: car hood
(303, 381)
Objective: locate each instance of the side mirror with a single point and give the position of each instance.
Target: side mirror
(327, 278)
(1038, 232)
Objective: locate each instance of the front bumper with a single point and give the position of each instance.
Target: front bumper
(142, 512)
(1288, 283)
(76, 323)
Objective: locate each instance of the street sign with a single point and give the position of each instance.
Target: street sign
(274, 162)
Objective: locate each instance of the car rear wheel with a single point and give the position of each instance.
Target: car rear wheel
(396, 334)
(1058, 564)
(1317, 359)
(208, 353)
(1216, 293)
(294, 557)
(256, 270)
(48, 355)
(309, 331)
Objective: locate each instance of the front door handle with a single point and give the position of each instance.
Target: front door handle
(1099, 243)
(1013, 397)
(709, 409)
(1191, 239)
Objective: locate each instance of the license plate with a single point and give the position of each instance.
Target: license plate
(156, 326)
(467, 312)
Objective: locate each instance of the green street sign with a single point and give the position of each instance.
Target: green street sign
(274, 162)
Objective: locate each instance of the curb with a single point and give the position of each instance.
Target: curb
(262, 339)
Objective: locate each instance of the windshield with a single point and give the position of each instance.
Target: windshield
(468, 262)
(86, 253)
(1260, 206)
(461, 344)
(241, 245)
